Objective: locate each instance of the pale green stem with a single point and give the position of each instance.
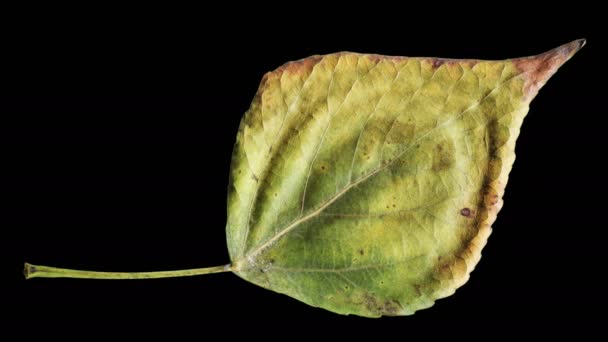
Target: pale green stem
(35, 271)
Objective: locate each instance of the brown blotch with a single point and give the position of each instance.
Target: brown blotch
(375, 58)
(323, 167)
(386, 307)
(437, 62)
(449, 62)
(443, 158)
(466, 212)
(361, 252)
(400, 132)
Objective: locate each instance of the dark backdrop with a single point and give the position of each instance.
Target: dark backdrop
(117, 143)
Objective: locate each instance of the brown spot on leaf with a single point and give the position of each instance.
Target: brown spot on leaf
(437, 62)
(466, 212)
(361, 252)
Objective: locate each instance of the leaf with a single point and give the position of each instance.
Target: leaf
(367, 184)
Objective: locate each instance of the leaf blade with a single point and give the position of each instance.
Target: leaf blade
(383, 179)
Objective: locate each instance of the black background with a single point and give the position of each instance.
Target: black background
(117, 143)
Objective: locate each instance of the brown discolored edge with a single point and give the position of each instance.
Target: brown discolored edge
(536, 70)
(436, 62)
(304, 65)
(301, 65)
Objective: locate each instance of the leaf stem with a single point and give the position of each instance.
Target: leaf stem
(35, 271)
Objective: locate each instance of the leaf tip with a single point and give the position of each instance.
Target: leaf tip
(537, 70)
(569, 49)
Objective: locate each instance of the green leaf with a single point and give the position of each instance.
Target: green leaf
(367, 184)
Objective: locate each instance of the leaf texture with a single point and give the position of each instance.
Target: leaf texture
(367, 184)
